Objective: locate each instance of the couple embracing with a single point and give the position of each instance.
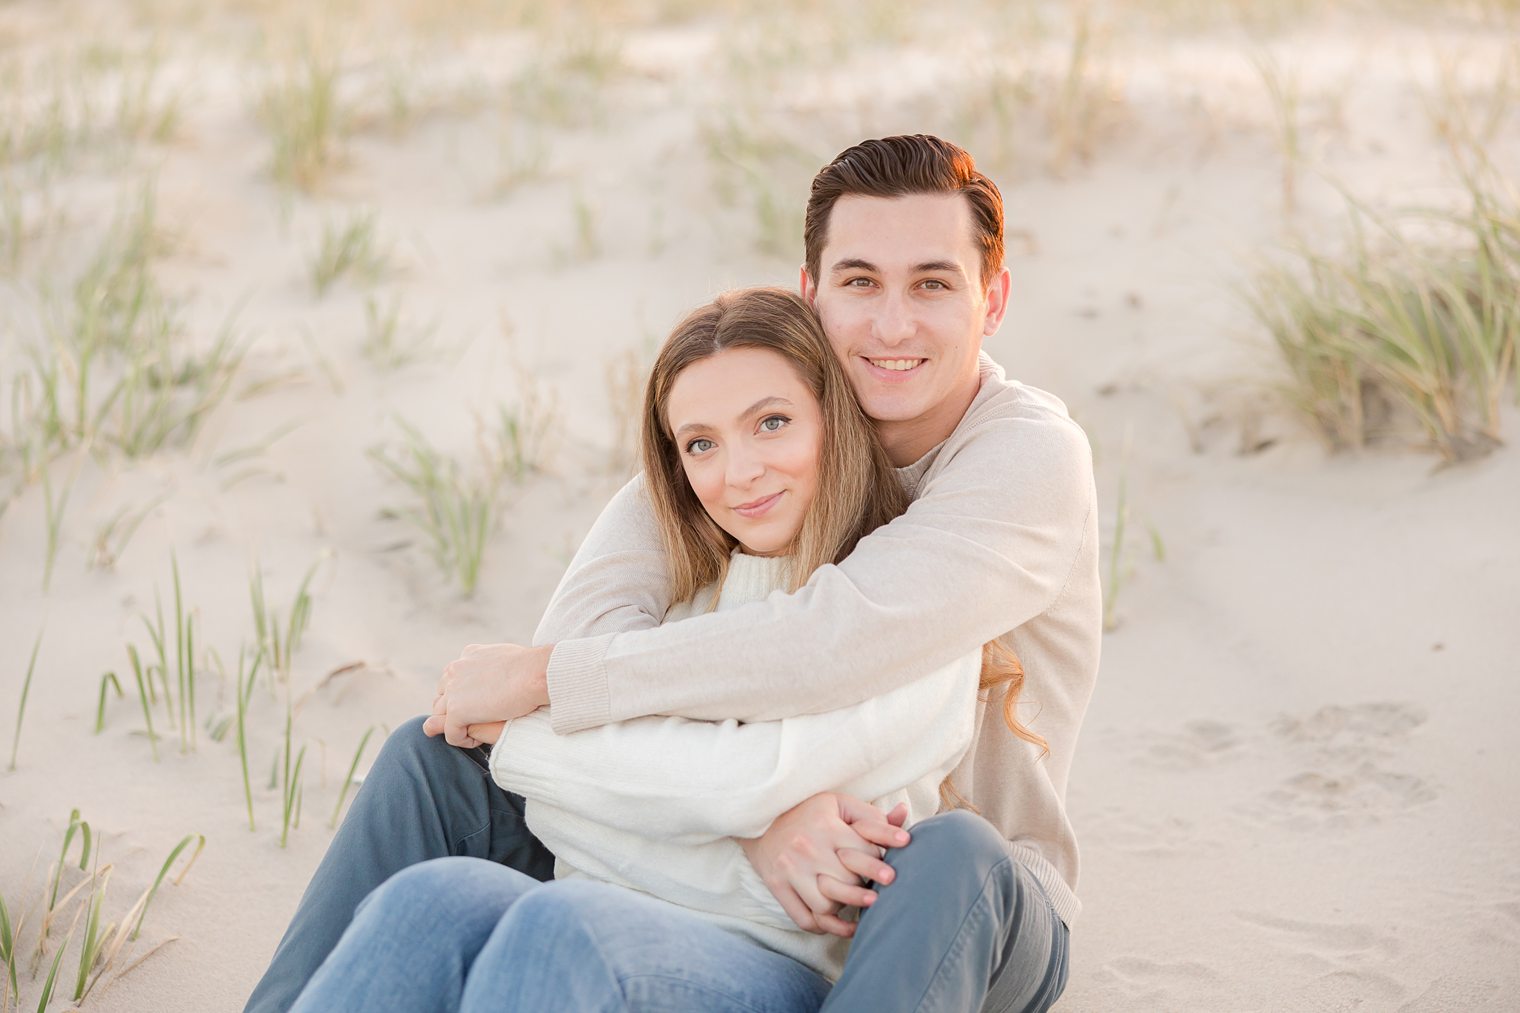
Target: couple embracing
(797, 728)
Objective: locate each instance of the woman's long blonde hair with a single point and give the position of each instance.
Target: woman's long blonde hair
(858, 489)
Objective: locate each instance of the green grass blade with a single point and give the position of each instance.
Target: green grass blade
(89, 948)
(200, 843)
(348, 782)
(144, 691)
(106, 681)
(26, 687)
(8, 947)
(52, 978)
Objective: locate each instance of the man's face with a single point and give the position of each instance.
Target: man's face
(901, 296)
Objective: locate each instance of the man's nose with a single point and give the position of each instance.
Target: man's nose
(894, 320)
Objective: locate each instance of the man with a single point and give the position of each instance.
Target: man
(904, 250)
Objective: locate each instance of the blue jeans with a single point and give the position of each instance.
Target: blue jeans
(467, 935)
(962, 926)
(422, 799)
(960, 916)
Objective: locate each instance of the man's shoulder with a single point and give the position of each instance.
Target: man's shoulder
(1008, 409)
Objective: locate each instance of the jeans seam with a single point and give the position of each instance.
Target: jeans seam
(959, 943)
(737, 1003)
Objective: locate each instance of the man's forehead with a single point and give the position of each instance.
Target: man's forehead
(907, 231)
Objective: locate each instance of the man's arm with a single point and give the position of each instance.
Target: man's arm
(987, 547)
(618, 581)
(708, 780)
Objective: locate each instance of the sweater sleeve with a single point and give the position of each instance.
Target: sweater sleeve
(989, 543)
(695, 781)
(714, 876)
(618, 580)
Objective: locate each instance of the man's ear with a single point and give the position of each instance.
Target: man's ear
(997, 302)
(805, 286)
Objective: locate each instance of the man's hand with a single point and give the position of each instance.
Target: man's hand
(817, 855)
(487, 684)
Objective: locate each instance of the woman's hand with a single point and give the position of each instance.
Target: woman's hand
(486, 685)
(817, 855)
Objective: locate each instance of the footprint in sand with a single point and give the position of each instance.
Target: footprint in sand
(1347, 750)
(1341, 961)
(1198, 743)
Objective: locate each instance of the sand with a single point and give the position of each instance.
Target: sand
(1296, 787)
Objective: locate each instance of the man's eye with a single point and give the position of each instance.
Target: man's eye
(771, 423)
(858, 283)
(700, 445)
(935, 284)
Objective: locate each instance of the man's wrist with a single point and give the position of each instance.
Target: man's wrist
(540, 687)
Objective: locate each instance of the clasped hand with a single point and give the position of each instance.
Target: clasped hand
(817, 856)
(485, 687)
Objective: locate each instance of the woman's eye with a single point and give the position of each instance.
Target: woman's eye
(700, 445)
(771, 423)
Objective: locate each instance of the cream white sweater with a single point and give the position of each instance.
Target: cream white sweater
(1000, 540)
(655, 803)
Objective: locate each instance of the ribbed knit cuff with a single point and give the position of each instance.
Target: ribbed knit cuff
(1061, 895)
(578, 696)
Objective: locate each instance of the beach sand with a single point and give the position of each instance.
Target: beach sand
(1296, 785)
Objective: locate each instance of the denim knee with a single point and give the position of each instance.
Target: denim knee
(405, 748)
(572, 905)
(958, 839)
(444, 883)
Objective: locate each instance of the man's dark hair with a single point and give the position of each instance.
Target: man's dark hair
(897, 167)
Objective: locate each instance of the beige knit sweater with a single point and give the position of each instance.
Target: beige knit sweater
(1000, 541)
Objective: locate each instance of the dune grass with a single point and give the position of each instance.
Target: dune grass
(307, 120)
(107, 681)
(1284, 90)
(115, 370)
(291, 789)
(114, 534)
(8, 934)
(244, 690)
(26, 688)
(102, 941)
(1415, 322)
(94, 103)
(391, 339)
(53, 509)
(453, 509)
(348, 249)
(145, 696)
(179, 699)
(277, 641)
(348, 780)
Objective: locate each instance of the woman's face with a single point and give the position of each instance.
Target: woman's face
(749, 433)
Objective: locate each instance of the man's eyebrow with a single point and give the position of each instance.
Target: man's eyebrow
(926, 267)
(772, 401)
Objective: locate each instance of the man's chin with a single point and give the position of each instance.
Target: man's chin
(890, 409)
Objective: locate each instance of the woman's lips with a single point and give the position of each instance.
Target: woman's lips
(755, 508)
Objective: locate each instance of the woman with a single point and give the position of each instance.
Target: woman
(761, 467)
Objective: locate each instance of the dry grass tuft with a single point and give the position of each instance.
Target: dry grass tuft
(1405, 326)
